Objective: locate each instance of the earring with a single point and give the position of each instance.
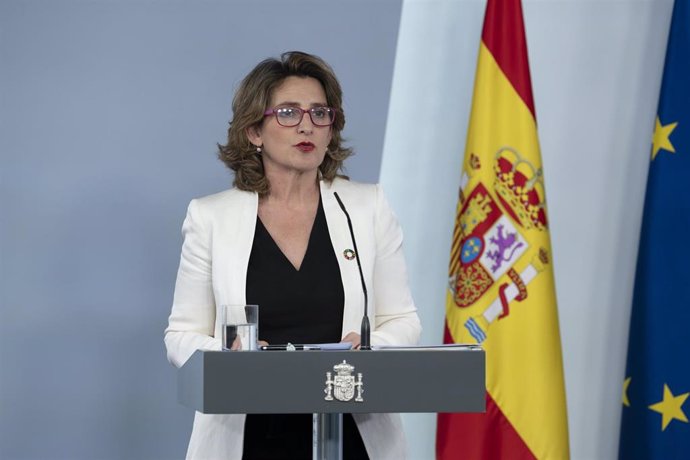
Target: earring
(258, 150)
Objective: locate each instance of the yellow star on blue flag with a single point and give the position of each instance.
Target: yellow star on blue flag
(670, 408)
(660, 138)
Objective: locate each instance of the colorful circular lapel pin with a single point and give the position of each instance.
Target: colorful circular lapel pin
(349, 254)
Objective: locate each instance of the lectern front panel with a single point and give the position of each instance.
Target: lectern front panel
(411, 380)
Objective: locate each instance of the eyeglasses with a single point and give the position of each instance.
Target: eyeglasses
(292, 116)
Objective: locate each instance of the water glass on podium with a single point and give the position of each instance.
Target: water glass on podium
(240, 327)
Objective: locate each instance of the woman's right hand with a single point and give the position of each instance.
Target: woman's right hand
(354, 339)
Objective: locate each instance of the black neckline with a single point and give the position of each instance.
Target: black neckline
(317, 221)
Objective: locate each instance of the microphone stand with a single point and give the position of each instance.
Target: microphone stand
(365, 331)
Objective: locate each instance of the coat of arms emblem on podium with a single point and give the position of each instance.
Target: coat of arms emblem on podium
(343, 386)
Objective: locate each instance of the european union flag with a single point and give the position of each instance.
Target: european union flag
(657, 381)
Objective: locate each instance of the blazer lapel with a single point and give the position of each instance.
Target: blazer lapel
(341, 240)
(235, 238)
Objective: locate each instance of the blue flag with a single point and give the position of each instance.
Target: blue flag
(657, 380)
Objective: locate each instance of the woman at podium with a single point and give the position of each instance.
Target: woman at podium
(280, 239)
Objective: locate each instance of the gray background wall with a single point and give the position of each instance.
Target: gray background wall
(109, 115)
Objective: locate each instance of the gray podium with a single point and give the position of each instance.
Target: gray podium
(318, 382)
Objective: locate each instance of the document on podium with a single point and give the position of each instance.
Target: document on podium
(335, 346)
(308, 346)
(445, 346)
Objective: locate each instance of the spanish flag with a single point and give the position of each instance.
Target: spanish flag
(500, 286)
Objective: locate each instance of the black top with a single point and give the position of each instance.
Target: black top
(296, 306)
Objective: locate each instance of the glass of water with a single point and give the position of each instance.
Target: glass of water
(240, 327)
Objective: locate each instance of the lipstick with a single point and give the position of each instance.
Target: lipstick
(305, 147)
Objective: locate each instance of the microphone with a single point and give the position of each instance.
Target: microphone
(365, 332)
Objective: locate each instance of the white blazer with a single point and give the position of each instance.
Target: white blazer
(218, 236)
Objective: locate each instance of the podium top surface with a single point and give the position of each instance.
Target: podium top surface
(392, 380)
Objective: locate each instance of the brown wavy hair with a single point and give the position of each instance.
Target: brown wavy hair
(251, 101)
